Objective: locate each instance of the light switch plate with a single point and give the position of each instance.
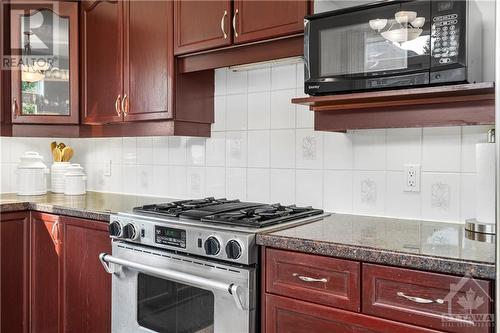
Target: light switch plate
(412, 178)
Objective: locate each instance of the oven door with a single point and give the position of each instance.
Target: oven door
(367, 48)
(160, 291)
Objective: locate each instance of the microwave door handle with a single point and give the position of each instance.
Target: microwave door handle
(181, 277)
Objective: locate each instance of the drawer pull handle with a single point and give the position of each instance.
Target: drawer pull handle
(309, 279)
(419, 299)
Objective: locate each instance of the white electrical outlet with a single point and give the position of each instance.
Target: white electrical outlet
(412, 178)
(107, 168)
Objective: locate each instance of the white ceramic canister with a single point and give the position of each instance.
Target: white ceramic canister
(75, 180)
(57, 172)
(31, 174)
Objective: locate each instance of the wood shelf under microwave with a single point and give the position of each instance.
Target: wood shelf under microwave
(452, 105)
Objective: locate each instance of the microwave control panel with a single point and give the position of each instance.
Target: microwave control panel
(445, 34)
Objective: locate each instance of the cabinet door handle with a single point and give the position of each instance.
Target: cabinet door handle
(55, 232)
(222, 24)
(15, 108)
(234, 23)
(419, 299)
(309, 279)
(125, 105)
(117, 105)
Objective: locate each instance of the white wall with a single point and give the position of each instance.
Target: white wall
(263, 148)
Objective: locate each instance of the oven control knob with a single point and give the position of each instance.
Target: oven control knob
(130, 232)
(212, 246)
(233, 249)
(115, 229)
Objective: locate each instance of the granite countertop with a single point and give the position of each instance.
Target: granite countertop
(431, 246)
(93, 205)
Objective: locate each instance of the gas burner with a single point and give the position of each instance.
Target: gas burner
(175, 208)
(262, 216)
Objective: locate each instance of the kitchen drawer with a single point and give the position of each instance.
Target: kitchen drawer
(286, 315)
(323, 280)
(437, 301)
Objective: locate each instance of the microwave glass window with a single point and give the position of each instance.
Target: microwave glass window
(374, 43)
(170, 307)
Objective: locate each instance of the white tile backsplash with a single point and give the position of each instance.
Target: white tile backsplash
(263, 148)
(283, 77)
(441, 149)
(441, 196)
(337, 191)
(236, 183)
(236, 82)
(283, 149)
(369, 192)
(369, 150)
(259, 110)
(282, 110)
(259, 147)
(308, 149)
(259, 80)
(236, 112)
(258, 185)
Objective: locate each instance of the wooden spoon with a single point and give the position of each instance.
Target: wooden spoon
(57, 155)
(67, 154)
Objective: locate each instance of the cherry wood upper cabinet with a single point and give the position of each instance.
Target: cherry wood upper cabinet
(102, 61)
(127, 60)
(148, 60)
(44, 37)
(46, 272)
(14, 256)
(201, 25)
(259, 20)
(87, 287)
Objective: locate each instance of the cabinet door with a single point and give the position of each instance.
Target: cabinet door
(148, 60)
(102, 61)
(14, 256)
(201, 25)
(286, 315)
(87, 287)
(46, 272)
(258, 20)
(44, 42)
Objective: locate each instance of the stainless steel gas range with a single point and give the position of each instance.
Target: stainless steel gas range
(191, 265)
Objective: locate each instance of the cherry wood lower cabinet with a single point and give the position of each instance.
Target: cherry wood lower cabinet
(287, 315)
(45, 273)
(87, 287)
(328, 281)
(51, 278)
(438, 301)
(306, 293)
(14, 256)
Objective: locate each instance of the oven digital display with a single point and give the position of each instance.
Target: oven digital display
(170, 236)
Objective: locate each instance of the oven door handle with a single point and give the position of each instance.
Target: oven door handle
(231, 288)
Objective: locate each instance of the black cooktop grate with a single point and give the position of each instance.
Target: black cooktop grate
(262, 216)
(234, 212)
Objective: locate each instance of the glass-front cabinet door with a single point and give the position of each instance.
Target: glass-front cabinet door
(44, 48)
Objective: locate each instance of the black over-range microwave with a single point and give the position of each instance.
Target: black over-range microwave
(393, 44)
